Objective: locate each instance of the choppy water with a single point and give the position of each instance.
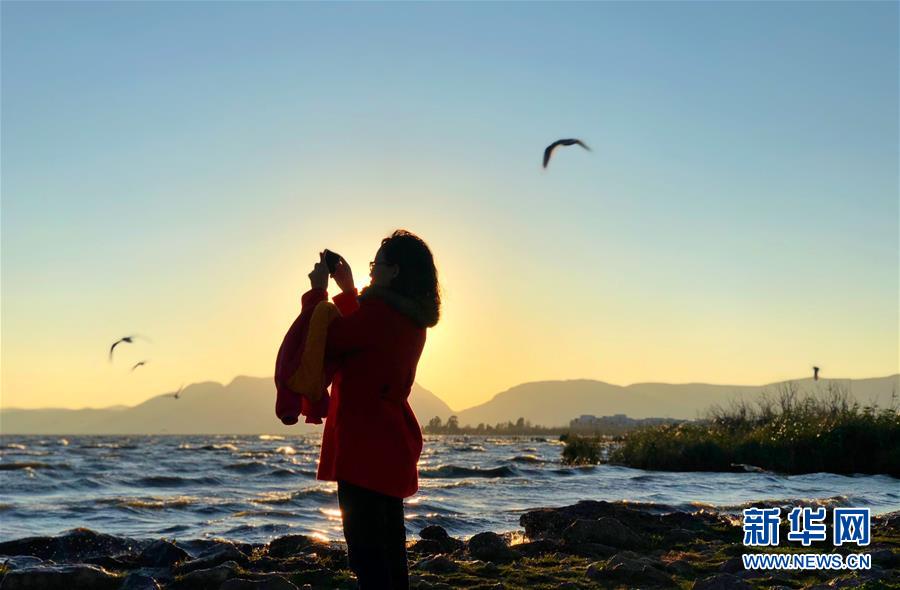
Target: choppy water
(253, 488)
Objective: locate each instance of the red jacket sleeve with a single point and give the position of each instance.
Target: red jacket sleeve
(350, 332)
(288, 404)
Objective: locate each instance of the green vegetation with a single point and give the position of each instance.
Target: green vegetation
(581, 450)
(789, 433)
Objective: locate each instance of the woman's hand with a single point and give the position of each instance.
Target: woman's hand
(343, 276)
(318, 278)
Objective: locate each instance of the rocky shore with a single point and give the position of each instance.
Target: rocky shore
(587, 545)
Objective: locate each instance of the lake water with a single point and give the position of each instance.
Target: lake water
(254, 488)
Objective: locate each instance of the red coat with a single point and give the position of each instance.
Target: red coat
(372, 438)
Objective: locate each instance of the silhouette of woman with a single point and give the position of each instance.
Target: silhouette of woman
(372, 440)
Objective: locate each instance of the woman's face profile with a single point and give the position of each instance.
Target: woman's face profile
(381, 272)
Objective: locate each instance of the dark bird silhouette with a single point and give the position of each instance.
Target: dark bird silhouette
(128, 339)
(136, 365)
(177, 394)
(815, 373)
(549, 151)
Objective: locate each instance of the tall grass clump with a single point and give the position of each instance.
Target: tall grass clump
(581, 450)
(789, 432)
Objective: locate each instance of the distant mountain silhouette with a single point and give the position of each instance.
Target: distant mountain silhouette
(244, 406)
(555, 403)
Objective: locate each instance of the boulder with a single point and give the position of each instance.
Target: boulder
(489, 546)
(73, 546)
(434, 533)
(208, 579)
(139, 581)
(539, 547)
(273, 582)
(439, 564)
(60, 577)
(162, 553)
(607, 531)
(291, 545)
(214, 556)
(629, 567)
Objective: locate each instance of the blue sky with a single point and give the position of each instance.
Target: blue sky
(172, 168)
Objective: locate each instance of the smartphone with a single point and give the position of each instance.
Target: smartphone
(331, 260)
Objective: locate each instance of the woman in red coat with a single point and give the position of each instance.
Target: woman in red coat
(372, 441)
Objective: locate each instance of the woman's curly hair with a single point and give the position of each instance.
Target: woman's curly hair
(417, 278)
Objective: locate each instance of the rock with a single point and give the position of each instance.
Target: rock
(427, 547)
(733, 565)
(162, 553)
(886, 558)
(72, 546)
(419, 582)
(123, 562)
(629, 567)
(439, 564)
(272, 564)
(213, 557)
(208, 579)
(591, 550)
(434, 533)
(680, 536)
(539, 547)
(489, 546)
(20, 561)
(316, 577)
(680, 567)
(291, 545)
(607, 531)
(273, 582)
(139, 582)
(60, 577)
(721, 582)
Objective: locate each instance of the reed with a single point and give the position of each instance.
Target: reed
(789, 432)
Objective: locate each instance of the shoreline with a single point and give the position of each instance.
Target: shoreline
(591, 544)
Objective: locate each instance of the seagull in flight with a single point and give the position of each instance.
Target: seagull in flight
(128, 339)
(549, 150)
(140, 364)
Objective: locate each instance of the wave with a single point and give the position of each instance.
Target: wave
(321, 494)
(31, 465)
(777, 503)
(264, 513)
(16, 446)
(224, 447)
(469, 449)
(527, 459)
(270, 437)
(247, 467)
(455, 471)
(286, 450)
(150, 503)
(162, 481)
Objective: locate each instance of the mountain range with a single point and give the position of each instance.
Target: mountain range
(246, 406)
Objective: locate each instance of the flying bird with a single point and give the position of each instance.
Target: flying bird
(549, 151)
(128, 339)
(136, 365)
(815, 373)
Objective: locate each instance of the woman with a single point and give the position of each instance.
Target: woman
(372, 441)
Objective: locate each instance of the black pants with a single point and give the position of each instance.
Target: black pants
(376, 537)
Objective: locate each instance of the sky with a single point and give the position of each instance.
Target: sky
(172, 169)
